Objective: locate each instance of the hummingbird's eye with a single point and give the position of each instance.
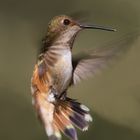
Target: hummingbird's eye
(66, 22)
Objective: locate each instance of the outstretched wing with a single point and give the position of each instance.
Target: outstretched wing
(89, 64)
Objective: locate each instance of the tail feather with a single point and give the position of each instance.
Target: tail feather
(56, 134)
(69, 113)
(80, 115)
(76, 115)
(79, 121)
(70, 132)
(62, 117)
(63, 122)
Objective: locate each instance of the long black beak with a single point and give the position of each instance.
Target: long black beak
(97, 27)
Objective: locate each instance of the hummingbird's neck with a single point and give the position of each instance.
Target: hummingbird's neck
(63, 39)
(59, 44)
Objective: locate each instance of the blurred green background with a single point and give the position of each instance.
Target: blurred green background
(113, 96)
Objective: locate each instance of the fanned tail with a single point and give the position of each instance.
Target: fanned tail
(67, 114)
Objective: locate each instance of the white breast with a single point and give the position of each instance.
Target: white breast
(64, 69)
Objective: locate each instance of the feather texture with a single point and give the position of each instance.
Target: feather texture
(58, 116)
(90, 63)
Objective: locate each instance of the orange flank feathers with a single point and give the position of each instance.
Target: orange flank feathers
(61, 115)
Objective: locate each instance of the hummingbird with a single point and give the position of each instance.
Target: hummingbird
(57, 70)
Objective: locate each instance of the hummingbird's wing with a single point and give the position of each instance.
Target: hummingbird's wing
(89, 64)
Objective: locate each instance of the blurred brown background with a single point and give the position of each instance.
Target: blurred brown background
(113, 96)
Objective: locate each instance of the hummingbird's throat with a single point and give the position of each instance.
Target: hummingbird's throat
(67, 36)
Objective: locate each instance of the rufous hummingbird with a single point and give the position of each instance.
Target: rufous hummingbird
(55, 71)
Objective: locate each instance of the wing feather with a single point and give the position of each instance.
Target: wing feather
(89, 64)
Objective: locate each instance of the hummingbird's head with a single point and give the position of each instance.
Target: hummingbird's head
(63, 23)
(63, 29)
